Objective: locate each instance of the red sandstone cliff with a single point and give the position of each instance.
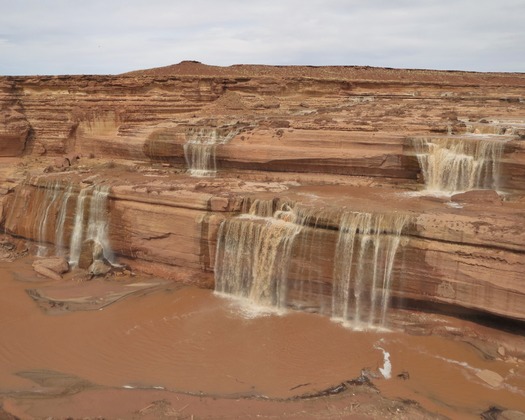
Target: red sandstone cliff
(332, 136)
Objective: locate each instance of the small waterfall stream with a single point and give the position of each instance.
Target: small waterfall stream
(94, 225)
(363, 265)
(253, 255)
(61, 221)
(78, 228)
(42, 209)
(459, 164)
(45, 209)
(53, 191)
(200, 148)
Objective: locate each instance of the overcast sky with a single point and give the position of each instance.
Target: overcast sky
(115, 36)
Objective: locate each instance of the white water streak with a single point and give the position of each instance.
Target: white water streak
(61, 220)
(52, 192)
(78, 228)
(97, 227)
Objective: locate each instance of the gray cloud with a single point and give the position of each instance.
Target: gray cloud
(67, 37)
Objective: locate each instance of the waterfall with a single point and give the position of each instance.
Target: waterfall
(52, 192)
(364, 261)
(309, 282)
(253, 256)
(61, 221)
(42, 204)
(462, 164)
(42, 210)
(78, 228)
(96, 225)
(199, 150)
(259, 207)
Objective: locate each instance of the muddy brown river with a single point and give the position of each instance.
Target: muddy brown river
(186, 352)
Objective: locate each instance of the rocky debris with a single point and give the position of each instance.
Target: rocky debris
(57, 264)
(498, 413)
(6, 415)
(511, 415)
(161, 409)
(92, 259)
(489, 197)
(403, 375)
(10, 251)
(52, 267)
(491, 378)
(493, 413)
(99, 268)
(90, 251)
(360, 381)
(46, 272)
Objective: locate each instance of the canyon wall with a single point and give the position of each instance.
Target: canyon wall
(332, 140)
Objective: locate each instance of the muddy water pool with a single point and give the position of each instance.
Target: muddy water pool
(191, 341)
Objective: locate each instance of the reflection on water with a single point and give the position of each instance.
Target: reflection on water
(192, 340)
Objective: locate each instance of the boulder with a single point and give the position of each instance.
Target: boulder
(99, 268)
(491, 378)
(478, 196)
(46, 272)
(57, 265)
(512, 415)
(91, 251)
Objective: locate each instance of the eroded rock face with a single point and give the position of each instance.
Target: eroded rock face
(331, 139)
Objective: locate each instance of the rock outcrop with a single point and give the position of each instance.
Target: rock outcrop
(327, 139)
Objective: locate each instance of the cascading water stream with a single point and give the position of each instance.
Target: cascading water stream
(200, 148)
(78, 228)
(253, 256)
(96, 225)
(53, 191)
(41, 211)
(61, 221)
(97, 228)
(199, 153)
(363, 266)
(459, 164)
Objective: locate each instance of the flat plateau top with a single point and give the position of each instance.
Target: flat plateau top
(194, 68)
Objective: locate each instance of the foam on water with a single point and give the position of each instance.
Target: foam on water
(386, 370)
(247, 309)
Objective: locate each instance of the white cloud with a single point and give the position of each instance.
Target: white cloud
(66, 36)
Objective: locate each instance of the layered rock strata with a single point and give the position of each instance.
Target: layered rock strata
(331, 140)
